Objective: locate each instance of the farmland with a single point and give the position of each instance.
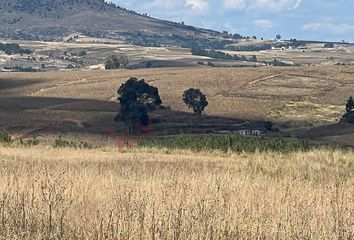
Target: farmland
(297, 100)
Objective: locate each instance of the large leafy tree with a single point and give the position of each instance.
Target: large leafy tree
(137, 98)
(195, 100)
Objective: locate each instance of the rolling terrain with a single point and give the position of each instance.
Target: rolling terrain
(267, 159)
(298, 101)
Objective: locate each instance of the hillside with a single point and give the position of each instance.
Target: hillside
(303, 102)
(53, 19)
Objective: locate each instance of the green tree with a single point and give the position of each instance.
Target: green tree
(195, 99)
(199, 51)
(137, 98)
(349, 107)
(253, 58)
(278, 36)
(116, 61)
(329, 45)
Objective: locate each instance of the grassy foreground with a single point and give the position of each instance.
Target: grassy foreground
(50, 193)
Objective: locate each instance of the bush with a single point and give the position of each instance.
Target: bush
(85, 145)
(29, 142)
(5, 137)
(211, 64)
(116, 61)
(62, 143)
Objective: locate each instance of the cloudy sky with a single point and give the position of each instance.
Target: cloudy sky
(301, 19)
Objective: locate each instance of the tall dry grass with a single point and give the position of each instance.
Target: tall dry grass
(103, 194)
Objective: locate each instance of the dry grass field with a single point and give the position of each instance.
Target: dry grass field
(147, 194)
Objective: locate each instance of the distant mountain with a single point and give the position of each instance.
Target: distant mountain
(53, 19)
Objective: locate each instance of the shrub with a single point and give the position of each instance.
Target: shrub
(211, 64)
(116, 61)
(85, 145)
(62, 143)
(5, 137)
(29, 142)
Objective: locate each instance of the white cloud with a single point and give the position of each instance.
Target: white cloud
(263, 23)
(277, 5)
(198, 5)
(235, 4)
(274, 5)
(329, 27)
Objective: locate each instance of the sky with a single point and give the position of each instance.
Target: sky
(329, 20)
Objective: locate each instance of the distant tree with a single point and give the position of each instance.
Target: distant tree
(149, 64)
(237, 36)
(349, 111)
(211, 64)
(13, 48)
(253, 58)
(137, 98)
(199, 51)
(116, 61)
(278, 36)
(82, 53)
(349, 107)
(195, 99)
(329, 45)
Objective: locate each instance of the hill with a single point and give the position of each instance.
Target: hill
(53, 19)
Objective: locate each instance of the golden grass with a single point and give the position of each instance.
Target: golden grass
(306, 113)
(103, 194)
(237, 92)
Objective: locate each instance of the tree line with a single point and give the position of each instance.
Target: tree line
(13, 48)
(199, 51)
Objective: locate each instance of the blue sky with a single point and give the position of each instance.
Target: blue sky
(331, 20)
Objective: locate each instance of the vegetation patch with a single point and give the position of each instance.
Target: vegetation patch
(302, 114)
(226, 143)
(29, 142)
(5, 137)
(62, 143)
(13, 48)
(21, 69)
